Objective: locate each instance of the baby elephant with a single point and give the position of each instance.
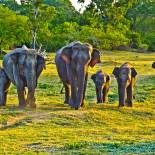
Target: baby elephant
(125, 76)
(4, 86)
(102, 82)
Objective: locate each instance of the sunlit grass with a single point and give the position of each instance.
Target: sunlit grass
(54, 128)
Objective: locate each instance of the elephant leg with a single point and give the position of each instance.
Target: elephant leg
(105, 93)
(31, 99)
(21, 98)
(129, 96)
(2, 96)
(5, 98)
(67, 93)
(20, 87)
(84, 91)
(2, 99)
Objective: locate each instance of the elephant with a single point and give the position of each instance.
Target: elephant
(125, 75)
(72, 62)
(4, 86)
(153, 65)
(23, 66)
(102, 83)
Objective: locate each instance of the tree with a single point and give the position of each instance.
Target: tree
(13, 28)
(38, 14)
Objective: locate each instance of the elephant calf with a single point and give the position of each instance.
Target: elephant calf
(125, 76)
(4, 86)
(153, 65)
(102, 83)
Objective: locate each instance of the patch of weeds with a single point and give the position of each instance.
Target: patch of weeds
(73, 146)
(112, 97)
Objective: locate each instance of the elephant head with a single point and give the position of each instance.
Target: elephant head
(101, 80)
(153, 65)
(23, 67)
(78, 57)
(125, 76)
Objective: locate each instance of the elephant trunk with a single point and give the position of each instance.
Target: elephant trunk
(31, 80)
(99, 94)
(122, 93)
(31, 85)
(80, 88)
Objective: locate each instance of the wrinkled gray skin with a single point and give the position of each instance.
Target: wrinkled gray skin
(72, 62)
(102, 83)
(4, 86)
(23, 67)
(125, 76)
(153, 65)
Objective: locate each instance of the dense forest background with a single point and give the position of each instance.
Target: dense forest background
(105, 24)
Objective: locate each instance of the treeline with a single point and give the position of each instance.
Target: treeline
(105, 24)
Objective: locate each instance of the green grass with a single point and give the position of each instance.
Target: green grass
(54, 128)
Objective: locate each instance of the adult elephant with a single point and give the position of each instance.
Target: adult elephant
(125, 76)
(23, 67)
(72, 62)
(153, 65)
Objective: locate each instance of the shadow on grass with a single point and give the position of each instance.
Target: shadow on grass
(55, 107)
(21, 122)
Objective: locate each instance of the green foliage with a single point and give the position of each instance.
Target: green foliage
(13, 28)
(104, 24)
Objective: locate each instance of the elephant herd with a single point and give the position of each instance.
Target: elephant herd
(23, 66)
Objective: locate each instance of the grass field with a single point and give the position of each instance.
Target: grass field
(54, 128)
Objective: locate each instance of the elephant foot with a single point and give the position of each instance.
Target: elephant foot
(128, 103)
(73, 105)
(76, 108)
(99, 102)
(2, 105)
(121, 105)
(31, 102)
(21, 106)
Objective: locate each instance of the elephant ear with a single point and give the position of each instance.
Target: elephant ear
(133, 72)
(66, 54)
(95, 57)
(108, 78)
(93, 77)
(116, 71)
(40, 65)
